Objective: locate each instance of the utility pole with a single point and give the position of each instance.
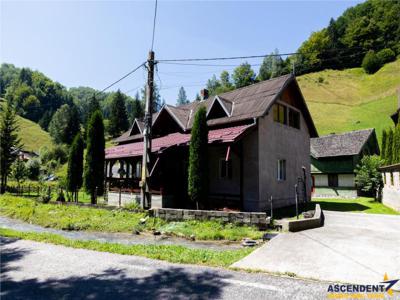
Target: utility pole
(144, 183)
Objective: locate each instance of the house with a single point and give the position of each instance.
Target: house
(334, 158)
(259, 146)
(391, 174)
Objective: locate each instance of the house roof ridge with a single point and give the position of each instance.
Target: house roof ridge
(344, 133)
(256, 83)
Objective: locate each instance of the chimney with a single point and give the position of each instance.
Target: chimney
(204, 94)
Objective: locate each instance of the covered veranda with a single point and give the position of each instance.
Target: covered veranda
(169, 165)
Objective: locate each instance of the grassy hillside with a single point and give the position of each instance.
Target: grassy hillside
(33, 137)
(351, 99)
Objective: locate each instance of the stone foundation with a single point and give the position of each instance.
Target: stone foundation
(245, 218)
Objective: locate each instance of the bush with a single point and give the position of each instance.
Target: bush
(386, 55)
(371, 62)
(60, 196)
(45, 194)
(57, 153)
(33, 169)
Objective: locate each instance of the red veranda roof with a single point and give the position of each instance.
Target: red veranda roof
(223, 135)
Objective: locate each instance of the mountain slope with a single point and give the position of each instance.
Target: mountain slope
(351, 99)
(33, 137)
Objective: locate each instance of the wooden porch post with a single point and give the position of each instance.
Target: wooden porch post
(241, 174)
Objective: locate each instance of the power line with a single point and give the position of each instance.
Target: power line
(122, 78)
(154, 25)
(252, 56)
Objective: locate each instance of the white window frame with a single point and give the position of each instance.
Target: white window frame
(281, 176)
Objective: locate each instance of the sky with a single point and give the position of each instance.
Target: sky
(94, 43)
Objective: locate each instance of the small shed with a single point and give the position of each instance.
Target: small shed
(334, 158)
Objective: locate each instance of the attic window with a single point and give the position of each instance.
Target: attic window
(217, 111)
(280, 113)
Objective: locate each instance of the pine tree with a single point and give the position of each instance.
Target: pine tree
(94, 105)
(118, 115)
(9, 142)
(197, 98)
(198, 161)
(94, 162)
(182, 98)
(75, 167)
(384, 142)
(389, 147)
(157, 103)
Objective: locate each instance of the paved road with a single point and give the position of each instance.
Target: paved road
(351, 247)
(31, 270)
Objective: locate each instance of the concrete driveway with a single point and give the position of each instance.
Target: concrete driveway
(351, 247)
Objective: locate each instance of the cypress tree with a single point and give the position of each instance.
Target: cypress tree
(384, 142)
(75, 167)
(389, 147)
(9, 141)
(396, 145)
(198, 162)
(118, 115)
(94, 162)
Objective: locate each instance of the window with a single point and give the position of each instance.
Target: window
(280, 112)
(281, 171)
(138, 171)
(391, 179)
(294, 118)
(333, 180)
(225, 169)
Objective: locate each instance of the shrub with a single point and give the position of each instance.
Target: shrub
(33, 169)
(371, 62)
(60, 196)
(45, 194)
(386, 55)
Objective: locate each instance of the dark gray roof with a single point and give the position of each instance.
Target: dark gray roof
(245, 103)
(344, 144)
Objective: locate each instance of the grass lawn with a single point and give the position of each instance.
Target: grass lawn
(360, 205)
(97, 219)
(171, 253)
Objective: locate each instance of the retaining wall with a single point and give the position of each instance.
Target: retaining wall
(247, 218)
(297, 225)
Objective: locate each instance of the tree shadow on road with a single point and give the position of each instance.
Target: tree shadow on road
(171, 283)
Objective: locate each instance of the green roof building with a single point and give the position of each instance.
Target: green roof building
(334, 158)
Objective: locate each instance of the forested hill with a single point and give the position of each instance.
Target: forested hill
(351, 99)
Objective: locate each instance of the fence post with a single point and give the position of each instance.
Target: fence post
(297, 202)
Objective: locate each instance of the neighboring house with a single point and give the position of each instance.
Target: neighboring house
(391, 174)
(259, 146)
(391, 186)
(334, 158)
